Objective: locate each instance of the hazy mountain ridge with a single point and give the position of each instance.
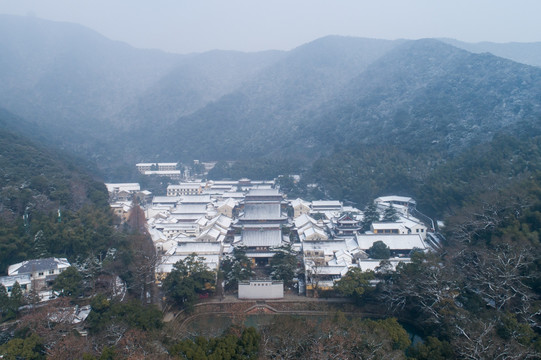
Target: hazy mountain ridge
(70, 73)
(426, 90)
(194, 83)
(526, 53)
(118, 104)
(270, 106)
(412, 93)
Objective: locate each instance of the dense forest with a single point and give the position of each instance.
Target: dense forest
(50, 205)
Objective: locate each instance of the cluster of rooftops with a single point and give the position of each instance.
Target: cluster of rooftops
(211, 219)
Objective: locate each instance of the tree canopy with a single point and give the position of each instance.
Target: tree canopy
(189, 279)
(379, 250)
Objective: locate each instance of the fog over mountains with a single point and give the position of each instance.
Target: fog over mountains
(118, 105)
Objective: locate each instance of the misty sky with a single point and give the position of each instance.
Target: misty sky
(184, 26)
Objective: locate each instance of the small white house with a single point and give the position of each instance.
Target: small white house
(24, 281)
(42, 271)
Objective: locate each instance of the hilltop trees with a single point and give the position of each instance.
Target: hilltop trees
(188, 279)
(390, 214)
(379, 250)
(355, 283)
(69, 283)
(371, 215)
(284, 264)
(228, 346)
(236, 268)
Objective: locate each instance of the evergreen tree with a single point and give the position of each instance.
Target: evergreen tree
(69, 283)
(40, 246)
(236, 268)
(189, 278)
(284, 264)
(355, 283)
(4, 301)
(390, 214)
(379, 250)
(371, 214)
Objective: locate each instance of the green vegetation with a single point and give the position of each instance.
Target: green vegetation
(341, 338)
(256, 169)
(284, 265)
(243, 346)
(355, 284)
(69, 283)
(189, 279)
(48, 205)
(9, 304)
(29, 348)
(371, 215)
(379, 250)
(236, 268)
(106, 314)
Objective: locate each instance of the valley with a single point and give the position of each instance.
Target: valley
(372, 185)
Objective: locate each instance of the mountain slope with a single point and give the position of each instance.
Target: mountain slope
(526, 53)
(65, 73)
(116, 104)
(66, 211)
(411, 93)
(88, 90)
(262, 115)
(429, 92)
(195, 82)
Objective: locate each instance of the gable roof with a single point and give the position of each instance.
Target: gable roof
(30, 266)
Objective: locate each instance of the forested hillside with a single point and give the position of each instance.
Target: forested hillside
(50, 205)
(419, 96)
(118, 105)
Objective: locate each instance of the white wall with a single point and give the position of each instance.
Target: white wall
(261, 290)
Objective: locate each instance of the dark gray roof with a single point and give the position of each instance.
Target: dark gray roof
(30, 266)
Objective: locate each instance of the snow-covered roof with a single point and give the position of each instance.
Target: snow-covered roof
(156, 235)
(262, 237)
(316, 232)
(30, 266)
(9, 281)
(304, 219)
(200, 248)
(410, 222)
(211, 233)
(162, 172)
(128, 187)
(190, 209)
(372, 264)
(329, 247)
(263, 192)
(211, 261)
(229, 202)
(238, 196)
(262, 211)
(337, 270)
(394, 242)
(388, 225)
(327, 204)
(395, 198)
(185, 186)
(195, 199)
(299, 202)
(176, 226)
(165, 199)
